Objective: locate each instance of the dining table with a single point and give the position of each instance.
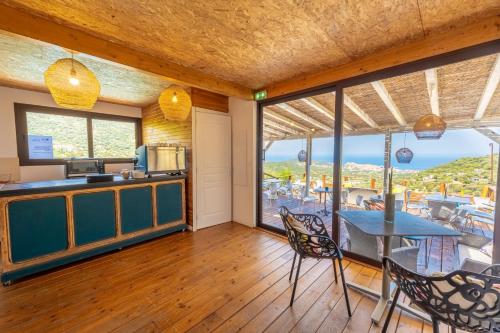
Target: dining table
(457, 200)
(323, 191)
(404, 224)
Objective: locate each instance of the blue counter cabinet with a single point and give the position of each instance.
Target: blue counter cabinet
(40, 227)
(94, 217)
(136, 209)
(169, 203)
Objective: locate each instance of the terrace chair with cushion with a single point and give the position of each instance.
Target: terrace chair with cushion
(308, 237)
(416, 201)
(464, 300)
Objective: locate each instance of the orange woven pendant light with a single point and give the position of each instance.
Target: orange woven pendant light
(429, 127)
(175, 103)
(72, 85)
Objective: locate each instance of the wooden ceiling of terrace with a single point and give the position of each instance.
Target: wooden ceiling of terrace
(247, 43)
(460, 88)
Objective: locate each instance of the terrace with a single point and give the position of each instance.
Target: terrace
(385, 111)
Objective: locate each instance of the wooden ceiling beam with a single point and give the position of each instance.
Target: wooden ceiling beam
(489, 90)
(279, 127)
(483, 31)
(359, 112)
(323, 110)
(22, 23)
(286, 120)
(431, 79)
(303, 116)
(387, 99)
(274, 132)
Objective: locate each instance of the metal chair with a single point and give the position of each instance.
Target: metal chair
(464, 300)
(308, 237)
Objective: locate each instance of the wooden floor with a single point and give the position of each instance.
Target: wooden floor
(222, 279)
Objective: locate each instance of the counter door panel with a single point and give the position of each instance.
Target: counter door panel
(37, 227)
(136, 209)
(94, 215)
(169, 202)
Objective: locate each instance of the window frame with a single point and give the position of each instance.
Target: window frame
(20, 111)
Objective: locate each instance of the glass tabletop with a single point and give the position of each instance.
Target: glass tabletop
(372, 223)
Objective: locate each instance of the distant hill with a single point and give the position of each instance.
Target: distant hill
(468, 174)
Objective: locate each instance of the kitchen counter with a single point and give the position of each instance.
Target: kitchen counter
(47, 186)
(47, 224)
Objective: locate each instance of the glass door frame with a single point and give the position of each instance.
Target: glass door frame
(339, 86)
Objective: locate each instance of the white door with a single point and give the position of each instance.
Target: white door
(212, 152)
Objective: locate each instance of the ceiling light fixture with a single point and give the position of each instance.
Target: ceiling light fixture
(429, 127)
(71, 84)
(175, 103)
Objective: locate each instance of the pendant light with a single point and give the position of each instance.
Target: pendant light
(302, 155)
(429, 127)
(71, 84)
(175, 103)
(404, 155)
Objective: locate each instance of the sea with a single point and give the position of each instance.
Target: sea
(418, 162)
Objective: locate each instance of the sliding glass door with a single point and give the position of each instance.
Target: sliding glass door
(297, 158)
(433, 125)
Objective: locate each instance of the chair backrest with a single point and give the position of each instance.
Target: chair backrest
(311, 239)
(415, 197)
(464, 300)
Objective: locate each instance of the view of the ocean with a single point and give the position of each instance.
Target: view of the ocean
(418, 162)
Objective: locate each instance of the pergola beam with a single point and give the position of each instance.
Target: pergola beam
(274, 132)
(489, 133)
(359, 112)
(303, 116)
(432, 88)
(286, 120)
(279, 127)
(323, 110)
(489, 90)
(387, 99)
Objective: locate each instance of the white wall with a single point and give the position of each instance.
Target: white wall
(8, 146)
(244, 119)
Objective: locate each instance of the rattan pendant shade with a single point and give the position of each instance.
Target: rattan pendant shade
(72, 85)
(429, 127)
(175, 103)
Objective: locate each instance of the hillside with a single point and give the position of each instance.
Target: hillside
(469, 174)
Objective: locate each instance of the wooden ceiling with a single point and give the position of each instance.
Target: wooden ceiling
(396, 103)
(255, 44)
(25, 60)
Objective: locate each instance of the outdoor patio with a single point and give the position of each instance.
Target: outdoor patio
(450, 257)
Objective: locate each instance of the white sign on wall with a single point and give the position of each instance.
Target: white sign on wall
(40, 147)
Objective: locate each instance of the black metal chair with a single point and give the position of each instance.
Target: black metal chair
(464, 300)
(308, 237)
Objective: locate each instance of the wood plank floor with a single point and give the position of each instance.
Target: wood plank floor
(222, 279)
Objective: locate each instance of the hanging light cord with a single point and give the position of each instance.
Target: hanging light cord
(420, 17)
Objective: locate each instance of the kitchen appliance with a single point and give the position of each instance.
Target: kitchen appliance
(161, 158)
(82, 167)
(105, 177)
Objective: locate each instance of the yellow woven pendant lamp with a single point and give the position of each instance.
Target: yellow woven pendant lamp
(175, 103)
(72, 85)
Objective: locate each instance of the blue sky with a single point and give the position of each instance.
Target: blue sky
(363, 149)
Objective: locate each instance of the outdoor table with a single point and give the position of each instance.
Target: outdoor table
(321, 191)
(480, 216)
(449, 198)
(405, 224)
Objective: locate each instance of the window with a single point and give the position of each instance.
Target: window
(50, 135)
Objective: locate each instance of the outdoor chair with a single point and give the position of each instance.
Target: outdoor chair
(472, 250)
(363, 244)
(308, 237)
(463, 300)
(416, 201)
